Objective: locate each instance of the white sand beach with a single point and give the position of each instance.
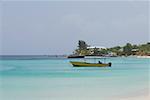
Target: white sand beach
(143, 56)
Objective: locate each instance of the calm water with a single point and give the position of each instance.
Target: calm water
(56, 79)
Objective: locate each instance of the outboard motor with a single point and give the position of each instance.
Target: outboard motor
(109, 64)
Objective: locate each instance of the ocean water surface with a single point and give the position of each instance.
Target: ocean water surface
(57, 79)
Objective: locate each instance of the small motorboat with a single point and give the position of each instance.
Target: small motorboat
(74, 56)
(85, 64)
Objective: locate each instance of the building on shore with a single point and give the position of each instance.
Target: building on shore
(93, 49)
(135, 51)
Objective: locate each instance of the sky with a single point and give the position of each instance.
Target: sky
(54, 27)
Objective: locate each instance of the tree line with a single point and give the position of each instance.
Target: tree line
(126, 50)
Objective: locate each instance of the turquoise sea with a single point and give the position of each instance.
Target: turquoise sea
(56, 79)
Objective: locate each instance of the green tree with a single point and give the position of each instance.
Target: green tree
(96, 51)
(135, 47)
(144, 49)
(82, 45)
(127, 49)
(103, 51)
(82, 48)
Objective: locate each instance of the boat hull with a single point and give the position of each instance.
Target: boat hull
(84, 64)
(75, 57)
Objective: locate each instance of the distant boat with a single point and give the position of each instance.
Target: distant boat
(85, 64)
(74, 56)
(94, 57)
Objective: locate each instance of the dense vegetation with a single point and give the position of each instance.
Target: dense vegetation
(127, 50)
(130, 49)
(82, 48)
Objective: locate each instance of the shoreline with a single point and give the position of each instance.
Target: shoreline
(143, 56)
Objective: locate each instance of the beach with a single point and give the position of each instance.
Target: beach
(57, 79)
(74, 50)
(143, 56)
